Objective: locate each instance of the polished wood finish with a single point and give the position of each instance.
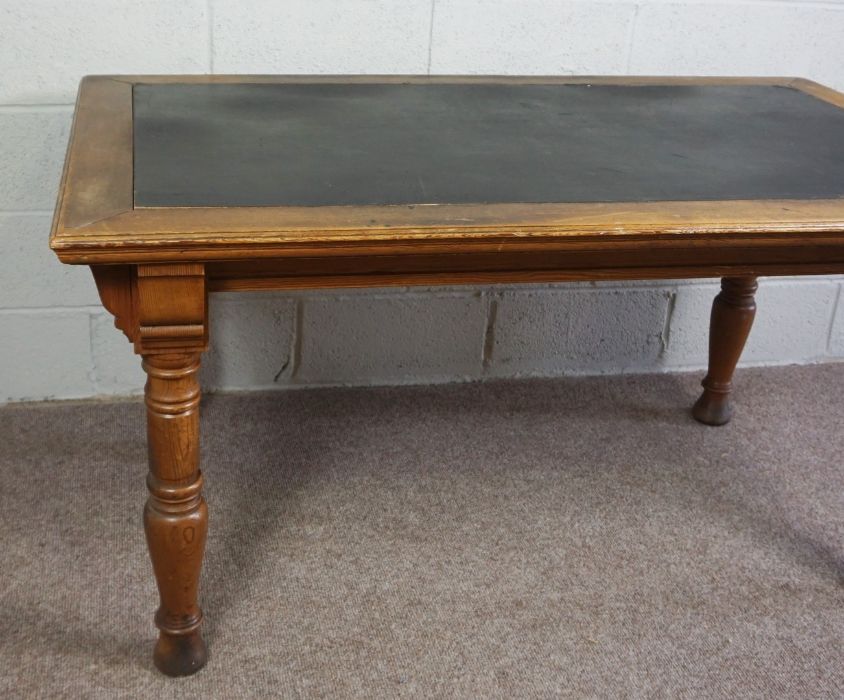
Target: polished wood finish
(732, 317)
(170, 333)
(154, 267)
(163, 310)
(175, 516)
(116, 287)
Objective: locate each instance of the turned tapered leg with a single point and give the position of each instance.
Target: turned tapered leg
(732, 317)
(175, 517)
(163, 310)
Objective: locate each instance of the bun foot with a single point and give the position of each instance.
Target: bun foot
(180, 655)
(732, 317)
(713, 409)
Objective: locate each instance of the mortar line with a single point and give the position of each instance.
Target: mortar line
(824, 4)
(93, 362)
(38, 310)
(296, 343)
(631, 39)
(210, 6)
(835, 306)
(566, 335)
(26, 212)
(669, 319)
(431, 36)
(26, 107)
(489, 331)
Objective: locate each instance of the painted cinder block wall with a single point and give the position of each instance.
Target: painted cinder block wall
(57, 342)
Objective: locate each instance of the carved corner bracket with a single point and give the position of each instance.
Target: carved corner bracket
(161, 308)
(116, 286)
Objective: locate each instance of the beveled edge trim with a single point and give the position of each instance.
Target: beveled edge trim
(821, 92)
(97, 178)
(219, 233)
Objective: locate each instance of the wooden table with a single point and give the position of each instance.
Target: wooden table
(177, 186)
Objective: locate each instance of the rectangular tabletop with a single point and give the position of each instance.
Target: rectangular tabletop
(529, 174)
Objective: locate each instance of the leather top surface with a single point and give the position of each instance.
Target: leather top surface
(359, 144)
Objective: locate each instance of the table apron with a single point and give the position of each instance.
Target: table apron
(521, 266)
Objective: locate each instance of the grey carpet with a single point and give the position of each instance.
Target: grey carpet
(534, 539)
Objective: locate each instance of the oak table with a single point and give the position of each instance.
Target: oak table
(182, 185)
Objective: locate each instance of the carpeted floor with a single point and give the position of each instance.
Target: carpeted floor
(535, 539)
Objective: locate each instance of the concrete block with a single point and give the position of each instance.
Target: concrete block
(530, 37)
(617, 330)
(44, 355)
(792, 39)
(403, 338)
(688, 332)
(46, 46)
(576, 331)
(117, 369)
(32, 149)
(529, 333)
(836, 335)
(792, 323)
(251, 341)
(31, 274)
(321, 36)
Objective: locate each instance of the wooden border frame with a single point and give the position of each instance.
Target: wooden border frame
(96, 222)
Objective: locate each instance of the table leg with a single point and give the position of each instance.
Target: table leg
(175, 517)
(732, 317)
(163, 310)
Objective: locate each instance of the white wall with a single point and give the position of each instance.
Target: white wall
(56, 341)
